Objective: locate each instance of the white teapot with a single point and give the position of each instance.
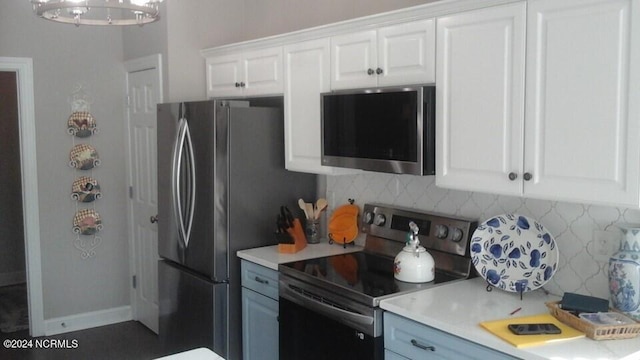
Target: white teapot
(414, 264)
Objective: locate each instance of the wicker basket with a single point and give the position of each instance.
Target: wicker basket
(600, 332)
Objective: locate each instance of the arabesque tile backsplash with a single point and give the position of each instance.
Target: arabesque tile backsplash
(583, 262)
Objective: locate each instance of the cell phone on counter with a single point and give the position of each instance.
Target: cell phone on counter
(534, 329)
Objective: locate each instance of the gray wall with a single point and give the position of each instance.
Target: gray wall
(64, 56)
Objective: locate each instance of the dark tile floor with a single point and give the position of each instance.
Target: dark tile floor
(127, 340)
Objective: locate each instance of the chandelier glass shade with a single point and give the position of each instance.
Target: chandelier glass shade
(98, 12)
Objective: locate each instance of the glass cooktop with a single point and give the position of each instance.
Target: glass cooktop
(360, 272)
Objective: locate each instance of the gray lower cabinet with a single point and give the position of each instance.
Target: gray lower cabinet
(407, 339)
(390, 355)
(259, 312)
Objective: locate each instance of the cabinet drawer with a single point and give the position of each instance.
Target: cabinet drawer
(260, 279)
(416, 341)
(390, 355)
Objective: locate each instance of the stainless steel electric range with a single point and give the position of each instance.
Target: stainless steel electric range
(329, 307)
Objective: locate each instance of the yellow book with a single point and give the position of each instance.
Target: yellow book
(500, 329)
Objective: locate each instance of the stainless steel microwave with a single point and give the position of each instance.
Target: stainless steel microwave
(388, 130)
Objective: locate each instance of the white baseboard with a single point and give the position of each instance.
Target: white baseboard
(87, 320)
(12, 278)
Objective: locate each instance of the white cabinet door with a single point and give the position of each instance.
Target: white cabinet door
(583, 100)
(224, 75)
(306, 77)
(407, 53)
(480, 99)
(354, 60)
(393, 55)
(249, 73)
(263, 72)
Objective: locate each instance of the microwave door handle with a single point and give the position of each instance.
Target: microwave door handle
(191, 165)
(176, 180)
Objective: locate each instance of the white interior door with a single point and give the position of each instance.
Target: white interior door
(144, 91)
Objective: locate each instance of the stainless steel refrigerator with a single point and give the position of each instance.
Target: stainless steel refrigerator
(221, 181)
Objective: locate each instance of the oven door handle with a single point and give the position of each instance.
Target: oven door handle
(326, 309)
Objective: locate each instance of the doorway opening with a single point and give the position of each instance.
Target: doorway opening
(18, 80)
(14, 315)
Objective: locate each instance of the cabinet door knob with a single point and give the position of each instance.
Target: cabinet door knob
(237, 84)
(513, 176)
(154, 219)
(415, 343)
(370, 72)
(242, 84)
(378, 71)
(527, 176)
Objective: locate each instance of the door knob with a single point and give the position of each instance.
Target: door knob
(153, 219)
(513, 176)
(370, 72)
(527, 176)
(378, 71)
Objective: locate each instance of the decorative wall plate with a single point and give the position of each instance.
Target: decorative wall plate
(87, 222)
(83, 157)
(85, 189)
(514, 253)
(81, 124)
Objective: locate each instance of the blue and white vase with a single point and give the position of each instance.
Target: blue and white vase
(624, 273)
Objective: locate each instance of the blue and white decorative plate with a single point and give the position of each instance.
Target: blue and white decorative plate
(514, 253)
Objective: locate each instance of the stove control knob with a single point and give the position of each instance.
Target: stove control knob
(442, 231)
(379, 220)
(457, 235)
(368, 217)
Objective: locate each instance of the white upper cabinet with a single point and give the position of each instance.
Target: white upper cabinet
(577, 137)
(249, 73)
(306, 77)
(354, 60)
(582, 130)
(480, 99)
(395, 55)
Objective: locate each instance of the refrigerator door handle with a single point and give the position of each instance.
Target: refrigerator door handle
(176, 180)
(192, 185)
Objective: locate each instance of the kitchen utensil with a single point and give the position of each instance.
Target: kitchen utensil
(414, 264)
(321, 205)
(308, 210)
(303, 206)
(296, 232)
(287, 216)
(282, 225)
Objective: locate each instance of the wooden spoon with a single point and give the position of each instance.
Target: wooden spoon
(303, 206)
(321, 205)
(309, 210)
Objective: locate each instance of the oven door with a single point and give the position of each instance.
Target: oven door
(315, 326)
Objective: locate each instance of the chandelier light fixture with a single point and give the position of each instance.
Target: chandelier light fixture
(98, 12)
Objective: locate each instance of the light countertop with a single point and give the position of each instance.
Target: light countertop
(458, 308)
(269, 256)
(195, 354)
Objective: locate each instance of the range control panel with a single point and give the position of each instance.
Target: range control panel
(437, 231)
